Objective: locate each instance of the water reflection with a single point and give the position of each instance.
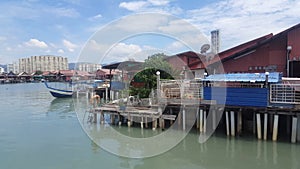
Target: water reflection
(64, 107)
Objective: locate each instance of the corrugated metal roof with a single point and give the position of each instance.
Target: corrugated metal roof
(274, 77)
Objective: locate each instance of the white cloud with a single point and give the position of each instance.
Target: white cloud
(175, 46)
(241, 21)
(36, 43)
(96, 17)
(161, 6)
(8, 48)
(61, 51)
(69, 45)
(159, 2)
(123, 48)
(63, 12)
(96, 51)
(134, 5)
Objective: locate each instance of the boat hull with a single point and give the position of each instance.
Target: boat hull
(59, 93)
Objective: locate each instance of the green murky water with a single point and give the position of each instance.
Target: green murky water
(38, 131)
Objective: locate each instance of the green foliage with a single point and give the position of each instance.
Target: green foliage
(157, 62)
(38, 72)
(148, 76)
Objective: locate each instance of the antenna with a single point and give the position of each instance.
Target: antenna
(204, 48)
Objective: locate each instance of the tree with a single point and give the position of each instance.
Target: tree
(158, 62)
(148, 76)
(38, 72)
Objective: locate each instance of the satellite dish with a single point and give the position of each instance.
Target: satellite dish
(205, 48)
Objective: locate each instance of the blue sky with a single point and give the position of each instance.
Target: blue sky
(33, 27)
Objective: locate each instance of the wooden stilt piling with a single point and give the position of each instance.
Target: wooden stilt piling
(275, 127)
(214, 119)
(197, 118)
(183, 119)
(201, 121)
(294, 129)
(254, 123)
(232, 122)
(227, 123)
(258, 125)
(204, 122)
(298, 128)
(265, 126)
(239, 125)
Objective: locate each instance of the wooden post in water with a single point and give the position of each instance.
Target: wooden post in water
(183, 118)
(275, 127)
(101, 117)
(119, 118)
(254, 123)
(294, 129)
(201, 121)
(128, 120)
(288, 124)
(155, 123)
(232, 123)
(227, 123)
(111, 119)
(239, 121)
(142, 125)
(163, 124)
(95, 116)
(160, 116)
(179, 119)
(271, 120)
(265, 126)
(171, 112)
(298, 128)
(146, 121)
(106, 94)
(258, 125)
(204, 122)
(197, 117)
(112, 95)
(214, 120)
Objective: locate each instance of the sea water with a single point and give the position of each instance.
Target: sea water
(38, 131)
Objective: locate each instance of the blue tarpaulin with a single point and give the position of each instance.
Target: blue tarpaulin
(273, 77)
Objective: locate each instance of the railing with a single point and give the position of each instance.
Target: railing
(285, 93)
(189, 89)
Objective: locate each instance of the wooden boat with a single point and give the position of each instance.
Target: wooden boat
(59, 92)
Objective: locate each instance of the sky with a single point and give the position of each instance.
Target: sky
(104, 31)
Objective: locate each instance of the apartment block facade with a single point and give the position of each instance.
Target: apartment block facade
(43, 63)
(88, 67)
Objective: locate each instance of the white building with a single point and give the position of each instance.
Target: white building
(13, 67)
(43, 63)
(87, 67)
(215, 41)
(1, 70)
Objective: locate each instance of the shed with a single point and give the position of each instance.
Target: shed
(240, 89)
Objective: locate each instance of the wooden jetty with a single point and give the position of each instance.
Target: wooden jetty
(264, 104)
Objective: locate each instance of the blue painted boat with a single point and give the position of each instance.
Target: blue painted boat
(59, 92)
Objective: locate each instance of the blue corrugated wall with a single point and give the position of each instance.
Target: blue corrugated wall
(253, 97)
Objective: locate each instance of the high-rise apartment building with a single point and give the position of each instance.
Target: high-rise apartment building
(215, 41)
(88, 67)
(43, 63)
(13, 67)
